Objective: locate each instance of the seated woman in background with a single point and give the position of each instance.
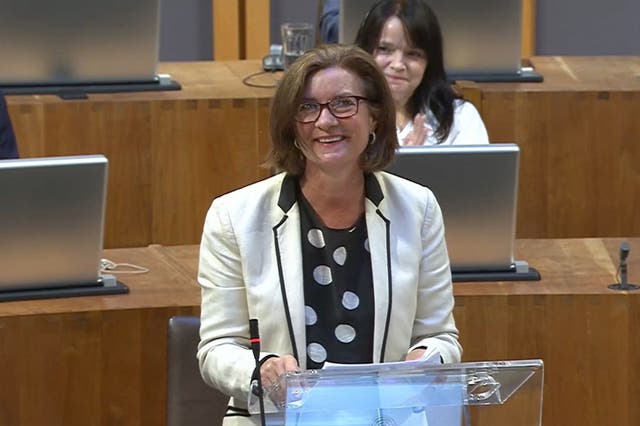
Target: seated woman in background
(8, 148)
(404, 38)
(329, 27)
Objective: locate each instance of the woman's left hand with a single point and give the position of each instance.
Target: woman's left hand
(419, 132)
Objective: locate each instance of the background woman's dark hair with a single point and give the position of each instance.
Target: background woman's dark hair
(423, 31)
(284, 155)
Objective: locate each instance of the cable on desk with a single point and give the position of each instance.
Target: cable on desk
(247, 80)
(108, 266)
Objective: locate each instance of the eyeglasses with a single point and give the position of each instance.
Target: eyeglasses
(340, 107)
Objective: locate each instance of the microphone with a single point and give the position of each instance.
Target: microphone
(624, 252)
(622, 270)
(254, 339)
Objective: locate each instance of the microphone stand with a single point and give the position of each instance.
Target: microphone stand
(255, 347)
(623, 284)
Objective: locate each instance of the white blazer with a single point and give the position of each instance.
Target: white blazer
(251, 267)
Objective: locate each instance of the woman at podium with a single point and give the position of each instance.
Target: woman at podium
(338, 261)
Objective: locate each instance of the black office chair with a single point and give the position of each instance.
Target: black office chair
(190, 402)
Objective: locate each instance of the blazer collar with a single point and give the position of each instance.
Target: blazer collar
(372, 189)
(288, 190)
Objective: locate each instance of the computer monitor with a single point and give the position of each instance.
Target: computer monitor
(44, 42)
(52, 216)
(482, 40)
(476, 187)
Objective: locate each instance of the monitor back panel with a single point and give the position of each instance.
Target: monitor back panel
(52, 220)
(476, 187)
(44, 42)
(479, 37)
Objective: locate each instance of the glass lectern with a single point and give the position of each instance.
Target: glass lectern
(410, 394)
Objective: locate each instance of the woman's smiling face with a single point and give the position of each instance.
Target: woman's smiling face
(331, 142)
(403, 64)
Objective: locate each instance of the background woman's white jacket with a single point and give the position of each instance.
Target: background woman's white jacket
(251, 267)
(467, 128)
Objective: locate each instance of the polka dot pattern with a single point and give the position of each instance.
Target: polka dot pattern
(350, 300)
(322, 275)
(310, 316)
(338, 290)
(316, 238)
(345, 333)
(340, 255)
(317, 352)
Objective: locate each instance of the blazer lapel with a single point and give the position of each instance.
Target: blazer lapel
(289, 256)
(377, 230)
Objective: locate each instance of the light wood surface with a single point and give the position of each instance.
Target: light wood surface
(241, 29)
(227, 30)
(528, 28)
(172, 152)
(102, 361)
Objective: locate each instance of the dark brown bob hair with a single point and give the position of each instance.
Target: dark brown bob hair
(284, 155)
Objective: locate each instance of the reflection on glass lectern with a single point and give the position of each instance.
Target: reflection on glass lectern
(411, 394)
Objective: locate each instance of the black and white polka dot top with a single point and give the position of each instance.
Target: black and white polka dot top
(338, 290)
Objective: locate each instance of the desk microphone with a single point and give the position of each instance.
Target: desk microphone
(254, 339)
(624, 252)
(622, 270)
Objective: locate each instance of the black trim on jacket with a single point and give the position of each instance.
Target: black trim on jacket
(236, 412)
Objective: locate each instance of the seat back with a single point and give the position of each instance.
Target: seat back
(190, 401)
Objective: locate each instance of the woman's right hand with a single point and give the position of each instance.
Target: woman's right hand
(271, 372)
(419, 132)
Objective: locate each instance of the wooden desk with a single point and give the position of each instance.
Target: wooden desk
(579, 134)
(585, 333)
(102, 360)
(171, 153)
(94, 360)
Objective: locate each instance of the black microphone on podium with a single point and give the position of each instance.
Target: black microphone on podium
(622, 283)
(254, 339)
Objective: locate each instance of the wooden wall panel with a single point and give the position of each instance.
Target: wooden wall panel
(28, 125)
(528, 28)
(120, 131)
(579, 158)
(226, 29)
(580, 338)
(241, 29)
(634, 349)
(85, 369)
(257, 23)
(196, 157)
